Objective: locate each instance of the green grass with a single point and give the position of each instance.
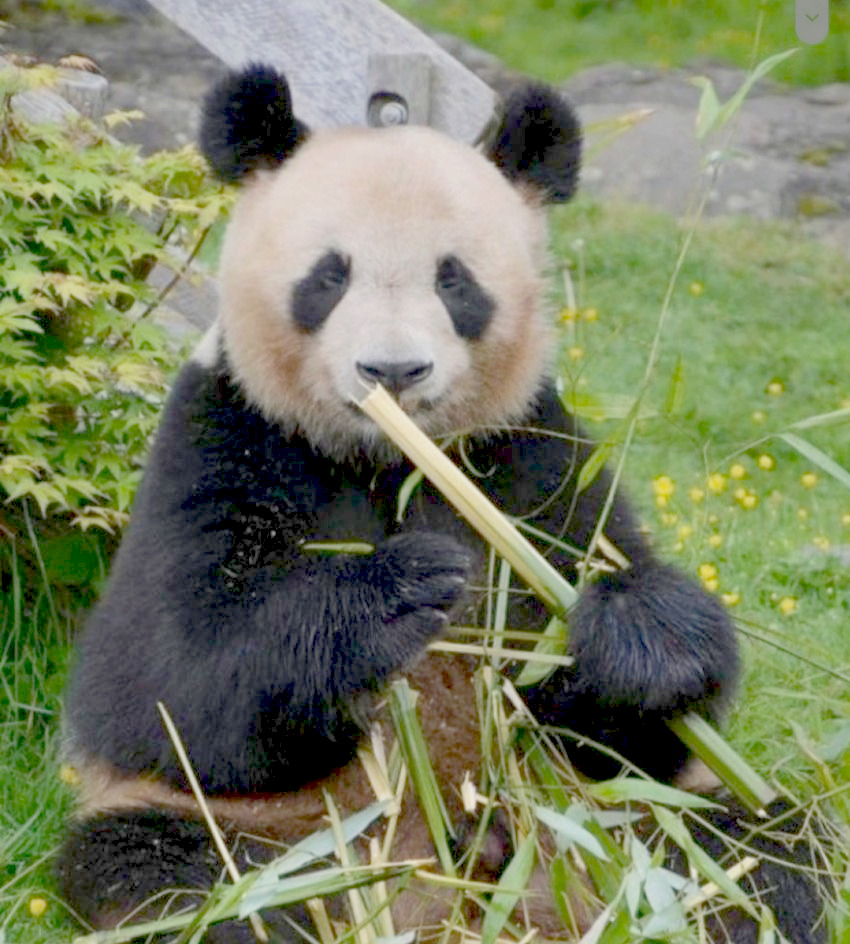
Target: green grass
(34, 803)
(553, 39)
(755, 342)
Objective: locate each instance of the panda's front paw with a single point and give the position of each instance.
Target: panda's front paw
(654, 640)
(425, 574)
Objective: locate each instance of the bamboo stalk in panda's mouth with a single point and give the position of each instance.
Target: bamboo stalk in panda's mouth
(552, 588)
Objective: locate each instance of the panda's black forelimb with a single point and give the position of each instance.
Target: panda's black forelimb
(648, 645)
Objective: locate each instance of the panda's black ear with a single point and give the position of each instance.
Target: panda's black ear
(247, 122)
(538, 142)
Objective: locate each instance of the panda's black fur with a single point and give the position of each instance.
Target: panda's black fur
(271, 658)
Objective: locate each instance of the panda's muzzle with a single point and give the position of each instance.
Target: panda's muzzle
(395, 376)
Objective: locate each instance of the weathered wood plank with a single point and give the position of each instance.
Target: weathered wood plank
(324, 48)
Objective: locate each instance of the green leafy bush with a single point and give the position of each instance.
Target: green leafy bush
(83, 366)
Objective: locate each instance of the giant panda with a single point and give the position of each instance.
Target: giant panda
(358, 256)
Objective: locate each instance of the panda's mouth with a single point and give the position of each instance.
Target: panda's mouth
(425, 406)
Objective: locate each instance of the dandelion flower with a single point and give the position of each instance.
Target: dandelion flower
(730, 599)
(715, 540)
(663, 488)
(568, 315)
(696, 289)
(802, 513)
(749, 501)
(707, 571)
(716, 483)
(590, 314)
(775, 388)
(737, 471)
(37, 906)
(845, 520)
(684, 531)
(766, 462)
(575, 353)
(696, 494)
(69, 775)
(787, 606)
(808, 480)
(758, 416)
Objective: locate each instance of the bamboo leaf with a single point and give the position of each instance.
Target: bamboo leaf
(415, 753)
(593, 466)
(553, 642)
(635, 789)
(317, 845)
(569, 831)
(511, 885)
(820, 459)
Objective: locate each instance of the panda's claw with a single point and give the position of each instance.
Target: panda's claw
(423, 570)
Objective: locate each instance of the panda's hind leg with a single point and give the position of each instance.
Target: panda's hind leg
(141, 865)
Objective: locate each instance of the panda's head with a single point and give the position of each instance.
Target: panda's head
(395, 255)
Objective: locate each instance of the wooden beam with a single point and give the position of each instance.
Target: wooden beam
(324, 47)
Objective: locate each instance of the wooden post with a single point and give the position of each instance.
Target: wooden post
(334, 53)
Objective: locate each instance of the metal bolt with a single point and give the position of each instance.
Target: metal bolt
(386, 109)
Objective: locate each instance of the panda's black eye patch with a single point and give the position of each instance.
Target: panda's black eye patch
(468, 305)
(320, 291)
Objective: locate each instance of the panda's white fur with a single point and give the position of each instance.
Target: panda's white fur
(384, 207)
(357, 254)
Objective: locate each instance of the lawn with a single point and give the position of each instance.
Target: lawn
(739, 465)
(555, 38)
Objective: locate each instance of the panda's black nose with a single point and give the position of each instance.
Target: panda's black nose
(395, 376)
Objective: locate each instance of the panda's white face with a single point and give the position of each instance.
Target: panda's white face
(392, 255)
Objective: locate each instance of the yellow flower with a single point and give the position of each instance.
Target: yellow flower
(69, 775)
(821, 542)
(802, 513)
(568, 314)
(775, 388)
(707, 571)
(845, 520)
(716, 483)
(663, 485)
(575, 353)
(696, 495)
(684, 531)
(766, 462)
(808, 480)
(737, 471)
(711, 584)
(758, 416)
(731, 599)
(590, 314)
(669, 518)
(715, 540)
(37, 907)
(696, 289)
(787, 606)
(745, 498)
